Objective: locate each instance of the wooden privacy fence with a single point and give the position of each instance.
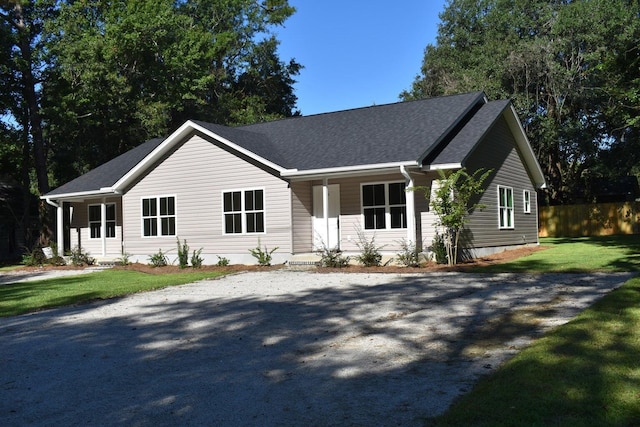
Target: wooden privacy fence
(602, 219)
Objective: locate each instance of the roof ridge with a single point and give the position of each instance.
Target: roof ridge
(326, 113)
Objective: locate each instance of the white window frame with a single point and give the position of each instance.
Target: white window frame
(99, 221)
(506, 213)
(158, 217)
(244, 212)
(526, 201)
(387, 206)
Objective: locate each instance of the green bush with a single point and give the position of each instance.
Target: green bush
(159, 259)
(196, 258)
(34, 258)
(409, 256)
(439, 249)
(370, 255)
(222, 261)
(263, 256)
(332, 258)
(79, 257)
(183, 253)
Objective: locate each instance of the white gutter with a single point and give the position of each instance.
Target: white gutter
(345, 171)
(443, 166)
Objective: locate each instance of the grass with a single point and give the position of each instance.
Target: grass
(25, 297)
(583, 254)
(584, 373)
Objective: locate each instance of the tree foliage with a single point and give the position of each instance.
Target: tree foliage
(452, 201)
(83, 81)
(572, 69)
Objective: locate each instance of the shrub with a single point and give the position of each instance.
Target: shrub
(370, 255)
(79, 257)
(159, 259)
(183, 253)
(332, 258)
(34, 257)
(124, 259)
(222, 261)
(439, 249)
(409, 256)
(263, 256)
(196, 258)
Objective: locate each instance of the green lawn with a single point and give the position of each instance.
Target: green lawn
(584, 373)
(581, 254)
(19, 298)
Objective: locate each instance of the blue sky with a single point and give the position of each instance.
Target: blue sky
(356, 53)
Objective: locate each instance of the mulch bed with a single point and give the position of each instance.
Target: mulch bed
(498, 258)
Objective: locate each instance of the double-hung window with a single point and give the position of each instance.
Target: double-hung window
(159, 216)
(243, 211)
(384, 206)
(505, 207)
(526, 200)
(95, 221)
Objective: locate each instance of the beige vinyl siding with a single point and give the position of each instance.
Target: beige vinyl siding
(351, 219)
(498, 151)
(196, 174)
(302, 212)
(80, 235)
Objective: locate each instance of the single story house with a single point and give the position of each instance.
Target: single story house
(306, 182)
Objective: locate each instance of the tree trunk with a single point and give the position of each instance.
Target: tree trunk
(34, 123)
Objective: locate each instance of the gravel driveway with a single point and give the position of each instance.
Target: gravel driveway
(279, 348)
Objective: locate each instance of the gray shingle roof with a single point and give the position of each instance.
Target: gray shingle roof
(108, 173)
(441, 130)
(463, 143)
(389, 133)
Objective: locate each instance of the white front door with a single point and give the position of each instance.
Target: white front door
(326, 234)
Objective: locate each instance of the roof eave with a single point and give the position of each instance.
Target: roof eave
(347, 171)
(81, 195)
(524, 145)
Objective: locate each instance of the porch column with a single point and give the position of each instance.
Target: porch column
(103, 226)
(411, 207)
(325, 209)
(60, 228)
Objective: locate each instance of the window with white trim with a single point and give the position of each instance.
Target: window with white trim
(159, 216)
(505, 207)
(95, 221)
(384, 206)
(243, 211)
(526, 200)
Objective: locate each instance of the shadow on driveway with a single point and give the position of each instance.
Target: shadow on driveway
(279, 348)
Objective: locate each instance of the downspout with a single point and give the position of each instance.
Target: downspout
(59, 224)
(411, 207)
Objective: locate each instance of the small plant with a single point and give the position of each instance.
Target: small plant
(332, 258)
(159, 259)
(222, 261)
(80, 257)
(196, 258)
(183, 253)
(263, 256)
(409, 256)
(439, 249)
(124, 259)
(34, 257)
(370, 255)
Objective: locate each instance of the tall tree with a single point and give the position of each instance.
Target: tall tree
(126, 71)
(557, 60)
